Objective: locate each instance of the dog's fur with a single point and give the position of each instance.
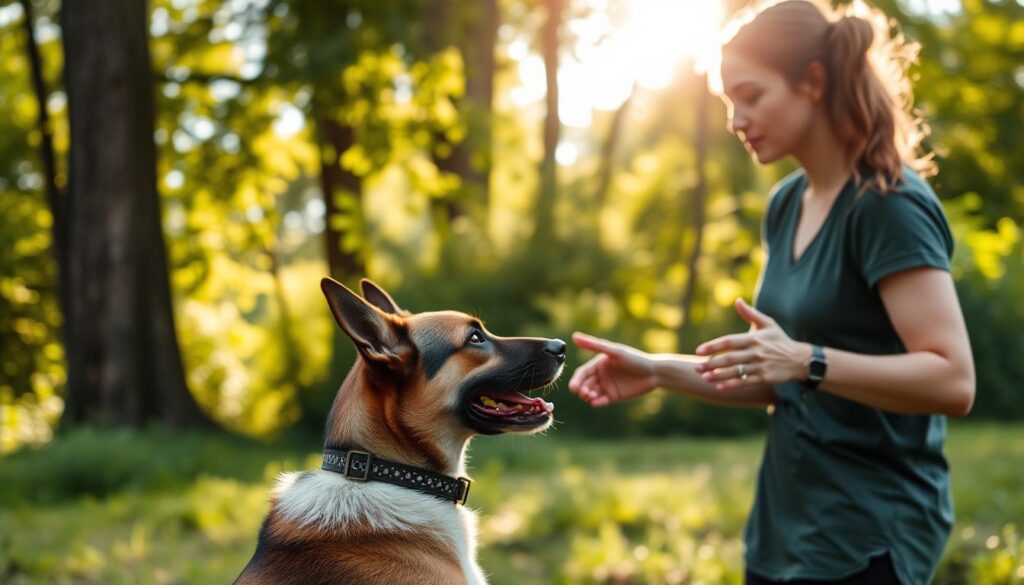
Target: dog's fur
(413, 396)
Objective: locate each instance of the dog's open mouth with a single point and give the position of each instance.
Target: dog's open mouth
(513, 408)
(499, 400)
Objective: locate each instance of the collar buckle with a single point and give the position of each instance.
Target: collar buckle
(349, 467)
(465, 482)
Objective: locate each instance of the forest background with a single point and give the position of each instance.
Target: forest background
(177, 176)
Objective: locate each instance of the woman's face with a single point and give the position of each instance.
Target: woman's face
(765, 111)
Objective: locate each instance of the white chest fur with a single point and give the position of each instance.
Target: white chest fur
(327, 499)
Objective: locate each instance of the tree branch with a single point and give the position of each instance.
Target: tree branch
(205, 78)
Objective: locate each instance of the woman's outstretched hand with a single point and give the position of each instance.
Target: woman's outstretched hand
(765, 355)
(617, 372)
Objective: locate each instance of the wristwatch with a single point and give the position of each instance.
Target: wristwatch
(816, 366)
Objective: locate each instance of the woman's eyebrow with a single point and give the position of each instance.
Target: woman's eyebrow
(733, 89)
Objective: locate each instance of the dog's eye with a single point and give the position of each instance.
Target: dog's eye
(476, 337)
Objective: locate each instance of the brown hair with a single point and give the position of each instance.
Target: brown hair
(868, 94)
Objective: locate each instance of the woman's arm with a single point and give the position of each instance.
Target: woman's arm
(678, 373)
(620, 372)
(935, 375)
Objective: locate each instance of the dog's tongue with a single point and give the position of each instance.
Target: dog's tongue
(515, 403)
(528, 403)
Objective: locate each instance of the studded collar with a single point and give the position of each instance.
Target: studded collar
(358, 465)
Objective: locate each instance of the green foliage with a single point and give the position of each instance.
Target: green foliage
(985, 546)
(92, 464)
(175, 508)
(970, 89)
(990, 282)
(32, 370)
(238, 183)
(244, 90)
(613, 512)
(244, 365)
(31, 355)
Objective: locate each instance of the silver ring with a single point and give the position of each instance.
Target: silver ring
(742, 371)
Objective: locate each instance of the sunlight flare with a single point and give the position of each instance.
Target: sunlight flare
(622, 45)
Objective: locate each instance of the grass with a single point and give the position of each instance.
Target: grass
(152, 507)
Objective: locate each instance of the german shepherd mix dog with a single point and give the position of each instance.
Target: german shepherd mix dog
(386, 508)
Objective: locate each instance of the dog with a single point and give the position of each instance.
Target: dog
(387, 507)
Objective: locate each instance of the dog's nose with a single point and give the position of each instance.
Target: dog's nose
(555, 347)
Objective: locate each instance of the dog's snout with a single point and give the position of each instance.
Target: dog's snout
(555, 347)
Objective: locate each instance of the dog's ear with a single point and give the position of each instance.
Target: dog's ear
(377, 335)
(379, 298)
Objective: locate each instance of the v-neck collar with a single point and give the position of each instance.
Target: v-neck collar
(798, 206)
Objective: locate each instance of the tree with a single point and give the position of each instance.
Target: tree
(550, 46)
(698, 203)
(47, 153)
(472, 27)
(124, 365)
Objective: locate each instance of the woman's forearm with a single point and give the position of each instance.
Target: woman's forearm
(675, 372)
(912, 383)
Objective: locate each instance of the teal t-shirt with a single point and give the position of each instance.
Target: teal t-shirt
(842, 482)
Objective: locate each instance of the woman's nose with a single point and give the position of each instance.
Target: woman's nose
(738, 124)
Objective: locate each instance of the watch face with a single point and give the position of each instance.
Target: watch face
(816, 369)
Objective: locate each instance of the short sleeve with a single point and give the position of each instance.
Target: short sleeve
(898, 231)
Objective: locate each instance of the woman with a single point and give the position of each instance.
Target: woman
(857, 338)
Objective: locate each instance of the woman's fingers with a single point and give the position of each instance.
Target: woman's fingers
(735, 383)
(617, 371)
(730, 358)
(590, 390)
(730, 372)
(752, 315)
(584, 371)
(591, 382)
(726, 342)
(585, 381)
(591, 343)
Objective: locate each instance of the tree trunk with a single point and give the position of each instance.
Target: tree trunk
(334, 139)
(124, 364)
(440, 31)
(48, 156)
(698, 204)
(479, 41)
(550, 38)
(472, 26)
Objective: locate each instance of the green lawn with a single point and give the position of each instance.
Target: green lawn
(160, 508)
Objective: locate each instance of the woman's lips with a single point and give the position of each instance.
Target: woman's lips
(754, 143)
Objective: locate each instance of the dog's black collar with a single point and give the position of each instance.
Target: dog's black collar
(359, 465)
